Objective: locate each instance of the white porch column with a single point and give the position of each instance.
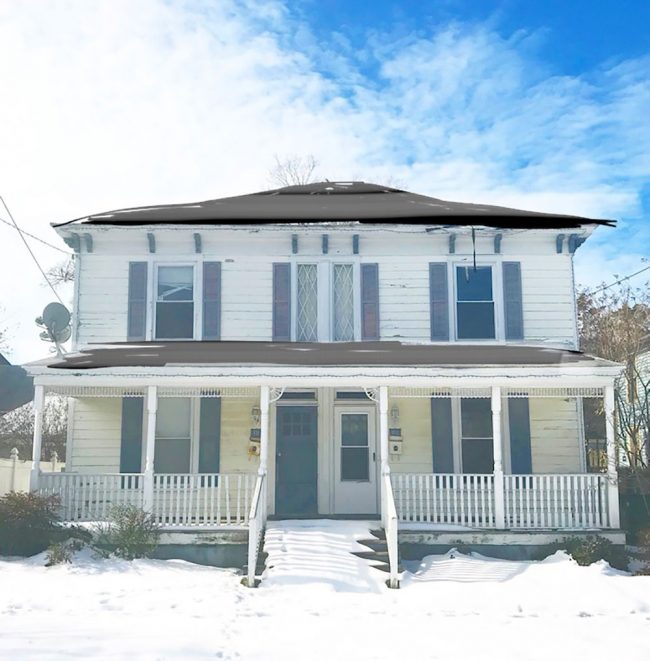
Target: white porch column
(151, 402)
(383, 429)
(497, 445)
(265, 397)
(612, 476)
(39, 402)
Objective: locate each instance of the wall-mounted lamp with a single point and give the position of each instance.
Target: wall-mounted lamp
(394, 415)
(256, 415)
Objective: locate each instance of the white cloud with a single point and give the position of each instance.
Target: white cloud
(114, 103)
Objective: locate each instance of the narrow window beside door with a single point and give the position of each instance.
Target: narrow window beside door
(175, 303)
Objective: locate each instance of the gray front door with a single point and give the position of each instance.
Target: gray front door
(296, 460)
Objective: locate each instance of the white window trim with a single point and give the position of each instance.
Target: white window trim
(497, 297)
(195, 421)
(152, 295)
(457, 435)
(325, 293)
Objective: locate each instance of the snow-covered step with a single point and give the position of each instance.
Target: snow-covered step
(321, 551)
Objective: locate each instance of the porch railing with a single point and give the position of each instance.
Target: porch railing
(90, 497)
(445, 498)
(210, 499)
(256, 522)
(561, 501)
(556, 501)
(391, 528)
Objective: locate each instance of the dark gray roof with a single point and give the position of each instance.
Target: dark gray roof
(348, 354)
(337, 201)
(16, 386)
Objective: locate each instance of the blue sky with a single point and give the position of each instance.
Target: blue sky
(537, 105)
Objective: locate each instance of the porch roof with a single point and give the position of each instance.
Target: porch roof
(333, 354)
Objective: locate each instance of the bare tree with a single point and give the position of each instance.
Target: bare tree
(293, 170)
(614, 323)
(17, 429)
(62, 273)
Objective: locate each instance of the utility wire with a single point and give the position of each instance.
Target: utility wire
(40, 268)
(618, 282)
(36, 238)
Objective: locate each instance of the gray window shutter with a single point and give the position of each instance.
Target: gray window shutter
(442, 439)
(439, 301)
(519, 423)
(131, 441)
(209, 435)
(281, 302)
(137, 314)
(212, 300)
(369, 301)
(512, 300)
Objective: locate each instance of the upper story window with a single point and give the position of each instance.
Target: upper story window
(475, 303)
(174, 303)
(325, 296)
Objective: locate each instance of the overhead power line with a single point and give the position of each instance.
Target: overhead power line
(33, 236)
(618, 282)
(40, 268)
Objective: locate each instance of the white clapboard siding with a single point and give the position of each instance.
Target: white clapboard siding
(247, 258)
(415, 422)
(96, 435)
(555, 435)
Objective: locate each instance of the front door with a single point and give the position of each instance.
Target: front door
(296, 460)
(355, 461)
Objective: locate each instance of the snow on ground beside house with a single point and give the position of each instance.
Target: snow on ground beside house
(322, 606)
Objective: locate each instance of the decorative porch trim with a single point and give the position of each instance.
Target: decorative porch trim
(117, 391)
(427, 393)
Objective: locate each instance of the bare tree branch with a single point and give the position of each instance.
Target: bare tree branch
(62, 273)
(293, 170)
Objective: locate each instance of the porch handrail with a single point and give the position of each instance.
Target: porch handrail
(391, 528)
(256, 524)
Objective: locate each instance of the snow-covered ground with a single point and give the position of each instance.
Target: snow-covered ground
(320, 602)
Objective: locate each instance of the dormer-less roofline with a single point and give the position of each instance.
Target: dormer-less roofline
(320, 202)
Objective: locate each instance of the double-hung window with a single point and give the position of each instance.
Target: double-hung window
(173, 452)
(325, 290)
(476, 435)
(475, 319)
(174, 303)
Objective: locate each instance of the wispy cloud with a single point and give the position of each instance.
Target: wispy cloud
(117, 103)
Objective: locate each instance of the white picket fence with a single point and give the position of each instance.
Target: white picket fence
(15, 472)
(560, 501)
(213, 499)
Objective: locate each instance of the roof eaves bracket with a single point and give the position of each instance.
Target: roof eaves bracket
(559, 241)
(197, 243)
(325, 244)
(452, 244)
(152, 242)
(497, 243)
(88, 242)
(73, 241)
(294, 244)
(355, 244)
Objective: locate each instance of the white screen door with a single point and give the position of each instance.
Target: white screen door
(355, 461)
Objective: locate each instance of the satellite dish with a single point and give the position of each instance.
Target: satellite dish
(55, 316)
(56, 320)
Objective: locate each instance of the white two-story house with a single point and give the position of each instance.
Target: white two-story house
(333, 349)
